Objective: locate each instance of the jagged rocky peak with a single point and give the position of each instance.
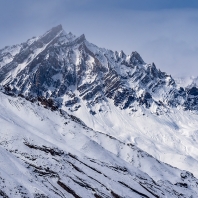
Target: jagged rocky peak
(121, 54)
(58, 32)
(55, 63)
(153, 71)
(51, 34)
(56, 29)
(71, 36)
(135, 58)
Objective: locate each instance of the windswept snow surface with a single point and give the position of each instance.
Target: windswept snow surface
(46, 153)
(171, 137)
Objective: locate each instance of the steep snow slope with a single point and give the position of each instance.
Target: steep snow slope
(171, 137)
(46, 153)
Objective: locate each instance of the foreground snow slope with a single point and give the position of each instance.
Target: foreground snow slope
(171, 137)
(46, 153)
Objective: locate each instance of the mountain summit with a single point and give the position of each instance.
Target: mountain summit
(53, 64)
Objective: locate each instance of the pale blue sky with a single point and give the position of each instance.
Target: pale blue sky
(162, 31)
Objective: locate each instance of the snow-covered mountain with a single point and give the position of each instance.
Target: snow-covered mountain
(57, 64)
(47, 153)
(126, 106)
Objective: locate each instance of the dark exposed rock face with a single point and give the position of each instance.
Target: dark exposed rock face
(56, 64)
(136, 59)
(146, 99)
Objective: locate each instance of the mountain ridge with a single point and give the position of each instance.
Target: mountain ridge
(87, 50)
(117, 94)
